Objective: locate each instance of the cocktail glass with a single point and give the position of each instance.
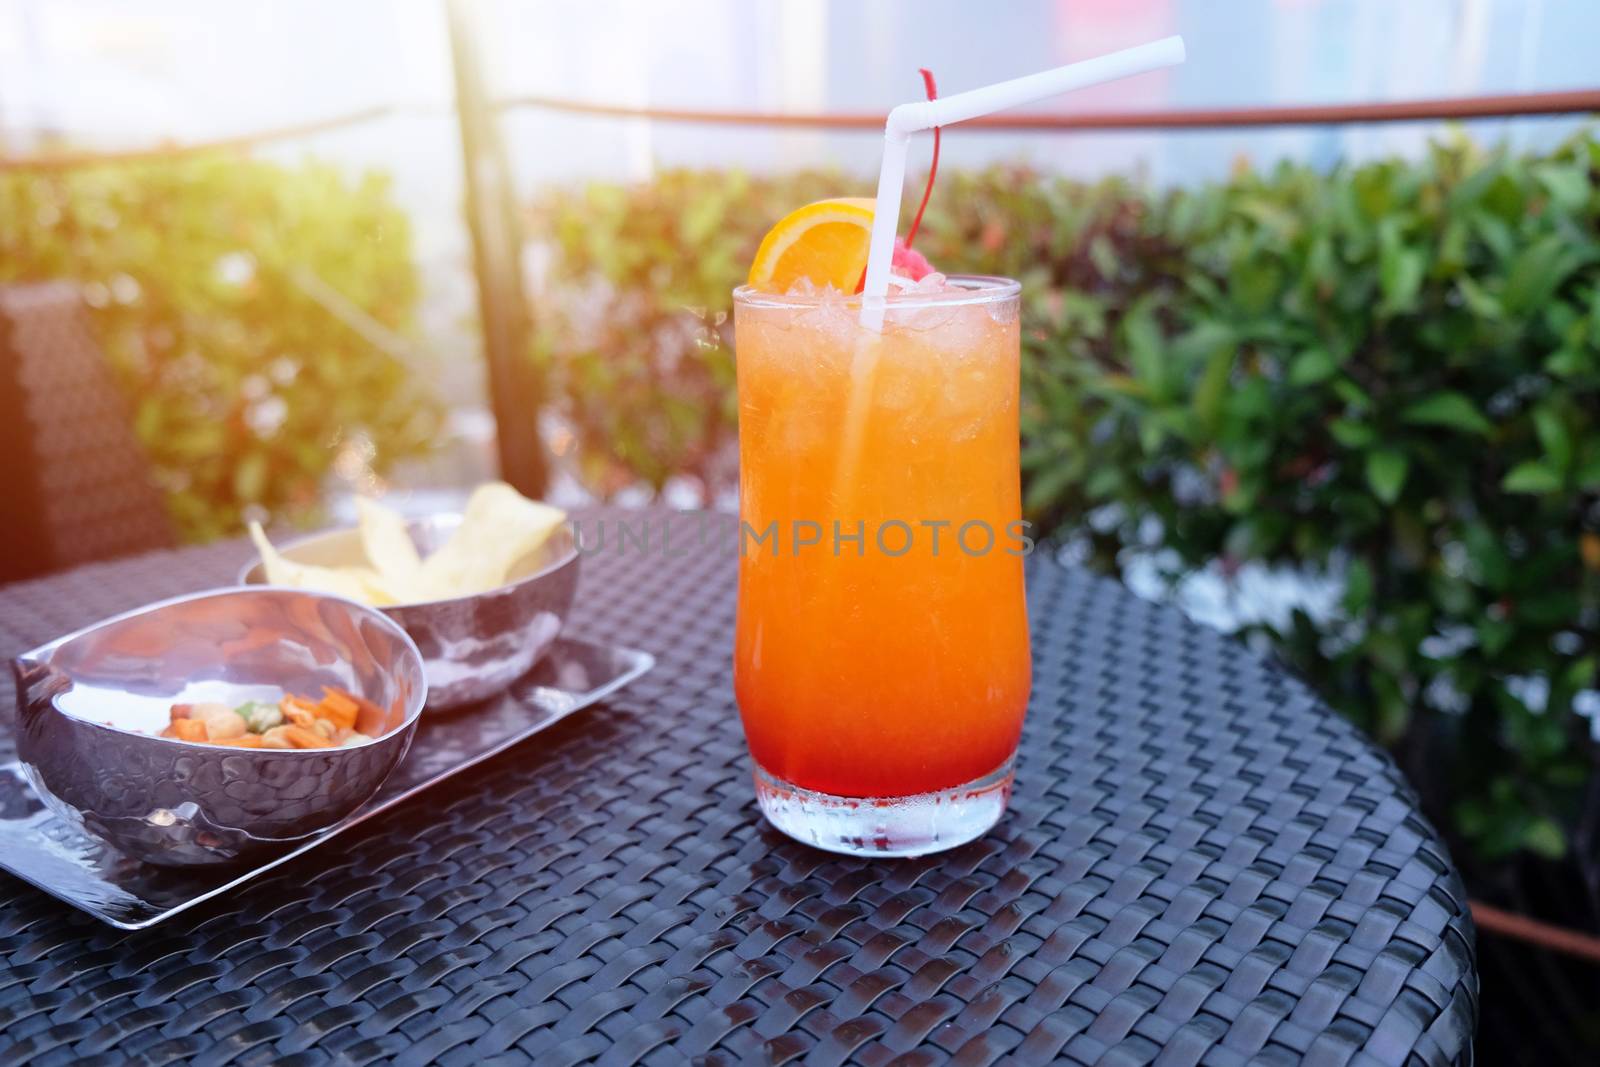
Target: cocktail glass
(881, 662)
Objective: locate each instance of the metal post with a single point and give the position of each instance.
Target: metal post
(514, 386)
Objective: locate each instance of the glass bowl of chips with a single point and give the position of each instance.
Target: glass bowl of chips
(484, 593)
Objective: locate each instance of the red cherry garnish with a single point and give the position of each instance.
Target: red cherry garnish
(909, 262)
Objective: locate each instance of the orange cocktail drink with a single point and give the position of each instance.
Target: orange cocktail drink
(881, 658)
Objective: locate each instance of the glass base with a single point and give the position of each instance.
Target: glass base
(886, 826)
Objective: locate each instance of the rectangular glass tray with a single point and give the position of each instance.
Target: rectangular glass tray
(83, 871)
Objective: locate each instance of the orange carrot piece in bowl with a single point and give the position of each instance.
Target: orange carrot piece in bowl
(247, 741)
(337, 707)
(371, 719)
(300, 737)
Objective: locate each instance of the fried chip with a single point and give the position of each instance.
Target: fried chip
(499, 530)
(389, 547)
(354, 583)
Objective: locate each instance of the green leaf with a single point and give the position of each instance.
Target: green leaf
(1312, 366)
(1400, 271)
(1568, 363)
(1491, 567)
(1214, 347)
(1352, 394)
(1103, 482)
(1448, 409)
(1357, 587)
(1494, 635)
(1588, 473)
(1544, 838)
(1104, 256)
(1352, 434)
(1531, 477)
(1255, 285)
(1143, 343)
(1119, 385)
(1540, 269)
(1480, 301)
(1049, 485)
(1394, 710)
(1581, 674)
(1568, 185)
(1553, 437)
(1386, 473)
(1286, 224)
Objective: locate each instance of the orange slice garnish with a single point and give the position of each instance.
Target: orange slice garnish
(825, 242)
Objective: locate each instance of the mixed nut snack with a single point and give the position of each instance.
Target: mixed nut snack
(293, 722)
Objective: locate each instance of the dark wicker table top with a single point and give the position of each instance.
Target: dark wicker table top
(1200, 865)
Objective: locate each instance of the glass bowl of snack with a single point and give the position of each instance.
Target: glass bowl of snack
(484, 592)
(205, 729)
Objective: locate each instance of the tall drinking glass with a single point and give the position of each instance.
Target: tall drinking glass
(881, 659)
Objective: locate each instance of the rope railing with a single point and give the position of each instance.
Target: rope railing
(1576, 101)
(1532, 931)
(1566, 102)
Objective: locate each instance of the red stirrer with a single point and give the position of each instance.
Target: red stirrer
(933, 172)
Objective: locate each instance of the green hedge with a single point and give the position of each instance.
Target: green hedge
(243, 388)
(1388, 375)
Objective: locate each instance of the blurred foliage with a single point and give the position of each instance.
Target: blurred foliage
(244, 390)
(633, 322)
(1388, 375)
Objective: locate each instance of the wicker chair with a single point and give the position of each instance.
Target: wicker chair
(75, 483)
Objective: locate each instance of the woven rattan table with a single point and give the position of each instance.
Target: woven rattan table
(1200, 865)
